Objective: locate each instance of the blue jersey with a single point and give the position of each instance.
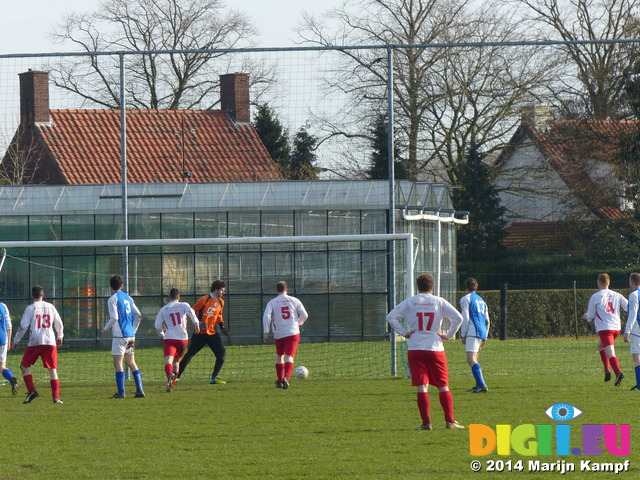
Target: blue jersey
(5, 323)
(475, 315)
(123, 315)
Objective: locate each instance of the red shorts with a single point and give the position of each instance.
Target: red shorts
(288, 345)
(608, 336)
(48, 353)
(175, 348)
(428, 368)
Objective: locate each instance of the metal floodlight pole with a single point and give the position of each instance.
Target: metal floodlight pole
(391, 228)
(123, 160)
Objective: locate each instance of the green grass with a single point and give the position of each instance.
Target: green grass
(321, 428)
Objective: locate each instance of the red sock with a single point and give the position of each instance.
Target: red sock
(288, 369)
(605, 359)
(28, 381)
(55, 388)
(168, 369)
(615, 365)
(423, 407)
(280, 371)
(446, 400)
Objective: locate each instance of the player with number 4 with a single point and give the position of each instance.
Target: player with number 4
(284, 314)
(423, 314)
(604, 311)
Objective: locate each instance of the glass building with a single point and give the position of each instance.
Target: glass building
(344, 286)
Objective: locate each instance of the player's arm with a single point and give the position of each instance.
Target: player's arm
(624, 303)
(136, 317)
(303, 316)
(191, 314)
(220, 323)
(58, 327)
(632, 316)
(394, 317)
(590, 314)
(450, 312)
(266, 321)
(159, 324)
(24, 326)
(113, 314)
(464, 310)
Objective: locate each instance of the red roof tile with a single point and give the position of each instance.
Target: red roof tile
(543, 237)
(567, 143)
(161, 145)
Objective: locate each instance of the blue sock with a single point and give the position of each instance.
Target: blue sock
(137, 377)
(477, 374)
(638, 375)
(120, 382)
(8, 374)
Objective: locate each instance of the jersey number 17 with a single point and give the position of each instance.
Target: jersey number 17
(429, 317)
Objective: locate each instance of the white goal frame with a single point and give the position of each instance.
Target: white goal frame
(408, 238)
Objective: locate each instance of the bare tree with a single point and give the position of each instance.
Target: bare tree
(592, 84)
(23, 159)
(445, 99)
(171, 80)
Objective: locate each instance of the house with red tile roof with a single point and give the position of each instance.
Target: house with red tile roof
(83, 147)
(556, 172)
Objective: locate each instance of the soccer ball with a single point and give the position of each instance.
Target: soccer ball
(301, 372)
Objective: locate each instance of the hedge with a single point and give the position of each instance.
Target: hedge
(541, 313)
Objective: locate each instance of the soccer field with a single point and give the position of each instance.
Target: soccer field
(321, 428)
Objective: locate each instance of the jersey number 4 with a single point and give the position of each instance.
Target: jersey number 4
(609, 308)
(429, 317)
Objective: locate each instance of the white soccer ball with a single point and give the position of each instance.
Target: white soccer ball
(301, 372)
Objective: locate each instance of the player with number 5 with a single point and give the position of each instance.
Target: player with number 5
(604, 311)
(423, 314)
(284, 314)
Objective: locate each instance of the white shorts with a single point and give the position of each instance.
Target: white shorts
(122, 345)
(473, 344)
(634, 341)
(3, 353)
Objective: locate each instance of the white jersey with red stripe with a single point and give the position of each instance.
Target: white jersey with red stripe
(604, 309)
(284, 314)
(40, 318)
(423, 314)
(172, 319)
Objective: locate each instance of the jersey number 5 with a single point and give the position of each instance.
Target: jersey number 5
(285, 313)
(428, 316)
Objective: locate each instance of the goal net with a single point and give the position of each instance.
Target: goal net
(346, 283)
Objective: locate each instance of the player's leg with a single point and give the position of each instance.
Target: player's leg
(473, 346)
(130, 358)
(29, 358)
(607, 338)
(6, 372)
(290, 349)
(217, 347)
(198, 341)
(118, 347)
(279, 344)
(50, 362)
(438, 371)
(420, 379)
(605, 361)
(635, 354)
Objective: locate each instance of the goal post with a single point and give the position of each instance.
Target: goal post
(249, 305)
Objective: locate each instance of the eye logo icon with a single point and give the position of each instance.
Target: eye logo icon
(562, 412)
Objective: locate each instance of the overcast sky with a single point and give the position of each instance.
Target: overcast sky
(25, 25)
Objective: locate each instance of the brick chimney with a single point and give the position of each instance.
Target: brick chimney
(34, 97)
(234, 96)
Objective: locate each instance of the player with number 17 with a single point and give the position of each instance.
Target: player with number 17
(423, 314)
